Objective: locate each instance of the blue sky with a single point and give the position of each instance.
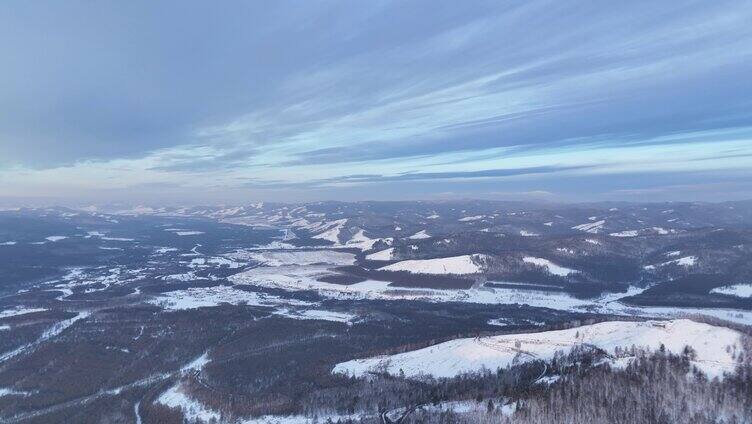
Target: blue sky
(198, 102)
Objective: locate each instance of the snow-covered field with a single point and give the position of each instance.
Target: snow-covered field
(456, 265)
(716, 348)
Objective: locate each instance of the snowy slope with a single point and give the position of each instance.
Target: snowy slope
(422, 234)
(361, 241)
(475, 354)
(381, 255)
(549, 266)
(332, 230)
(738, 290)
(458, 265)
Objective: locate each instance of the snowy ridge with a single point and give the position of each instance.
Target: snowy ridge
(715, 347)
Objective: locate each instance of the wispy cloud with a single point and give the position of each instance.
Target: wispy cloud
(330, 95)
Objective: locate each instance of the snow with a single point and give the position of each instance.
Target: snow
(360, 241)
(525, 233)
(381, 255)
(4, 391)
(433, 216)
(456, 357)
(686, 261)
(117, 239)
(548, 224)
(19, 310)
(332, 231)
(550, 266)
(457, 265)
(297, 257)
(55, 238)
(319, 315)
(301, 278)
(592, 241)
(193, 410)
(590, 227)
(660, 230)
(471, 218)
(738, 290)
(422, 234)
(8, 243)
(626, 233)
(188, 233)
(673, 253)
(205, 297)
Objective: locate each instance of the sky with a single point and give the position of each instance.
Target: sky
(186, 102)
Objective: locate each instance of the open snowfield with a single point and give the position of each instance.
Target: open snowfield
(457, 265)
(715, 347)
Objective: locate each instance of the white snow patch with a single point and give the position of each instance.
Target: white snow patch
(471, 218)
(55, 238)
(422, 234)
(19, 310)
(381, 255)
(625, 233)
(590, 227)
(193, 410)
(738, 290)
(550, 266)
(525, 233)
(295, 257)
(458, 265)
(332, 232)
(360, 241)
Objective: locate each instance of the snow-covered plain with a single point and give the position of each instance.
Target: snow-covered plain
(715, 347)
(456, 265)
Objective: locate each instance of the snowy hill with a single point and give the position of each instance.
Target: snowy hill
(459, 356)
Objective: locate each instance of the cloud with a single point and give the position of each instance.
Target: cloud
(311, 94)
